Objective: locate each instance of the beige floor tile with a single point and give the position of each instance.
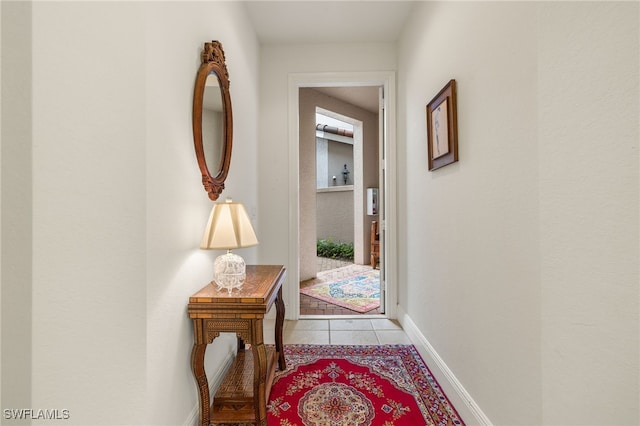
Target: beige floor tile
(350, 324)
(306, 337)
(339, 332)
(385, 324)
(310, 324)
(353, 337)
(392, 337)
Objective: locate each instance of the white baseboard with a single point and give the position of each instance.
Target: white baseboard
(465, 405)
(214, 383)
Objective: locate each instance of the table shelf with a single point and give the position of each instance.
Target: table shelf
(234, 402)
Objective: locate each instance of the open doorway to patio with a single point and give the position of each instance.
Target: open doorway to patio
(303, 191)
(340, 265)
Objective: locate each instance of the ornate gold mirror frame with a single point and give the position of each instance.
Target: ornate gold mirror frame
(213, 78)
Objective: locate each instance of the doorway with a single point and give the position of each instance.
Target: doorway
(329, 88)
(341, 280)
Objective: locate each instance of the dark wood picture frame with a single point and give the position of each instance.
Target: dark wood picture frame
(442, 127)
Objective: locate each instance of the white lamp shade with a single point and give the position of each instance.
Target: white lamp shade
(229, 227)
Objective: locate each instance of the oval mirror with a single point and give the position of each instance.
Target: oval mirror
(212, 119)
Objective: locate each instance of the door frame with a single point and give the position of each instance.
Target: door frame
(386, 79)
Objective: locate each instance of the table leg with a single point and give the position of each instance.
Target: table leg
(260, 374)
(241, 345)
(197, 367)
(282, 364)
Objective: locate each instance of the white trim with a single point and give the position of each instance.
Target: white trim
(374, 78)
(457, 394)
(333, 137)
(358, 200)
(390, 246)
(339, 188)
(214, 383)
(293, 310)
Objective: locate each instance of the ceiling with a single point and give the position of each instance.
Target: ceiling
(365, 97)
(315, 22)
(311, 22)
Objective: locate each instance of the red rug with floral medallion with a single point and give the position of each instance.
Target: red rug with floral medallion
(356, 386)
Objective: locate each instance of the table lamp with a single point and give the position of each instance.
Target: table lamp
(228, 228)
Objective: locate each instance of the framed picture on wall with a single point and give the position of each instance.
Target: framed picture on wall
(442, 127)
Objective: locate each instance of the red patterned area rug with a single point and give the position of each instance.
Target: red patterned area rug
(357, 385)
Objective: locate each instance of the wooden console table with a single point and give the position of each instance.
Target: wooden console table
(244, 392)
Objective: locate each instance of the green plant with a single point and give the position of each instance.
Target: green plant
(334, 250)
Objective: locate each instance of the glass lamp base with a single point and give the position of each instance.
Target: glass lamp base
(229, 271)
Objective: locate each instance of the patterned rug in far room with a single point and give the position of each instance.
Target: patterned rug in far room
(359, 292)
(340, 385)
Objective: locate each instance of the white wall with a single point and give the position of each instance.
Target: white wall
(177, 205)
(588, 119)
(88, 211)
(1, 208)
(118, 205)
(521, 260)
(17, 203)
(334, 216)
(277, 62)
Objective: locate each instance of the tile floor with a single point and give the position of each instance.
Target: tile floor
(356, 331)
